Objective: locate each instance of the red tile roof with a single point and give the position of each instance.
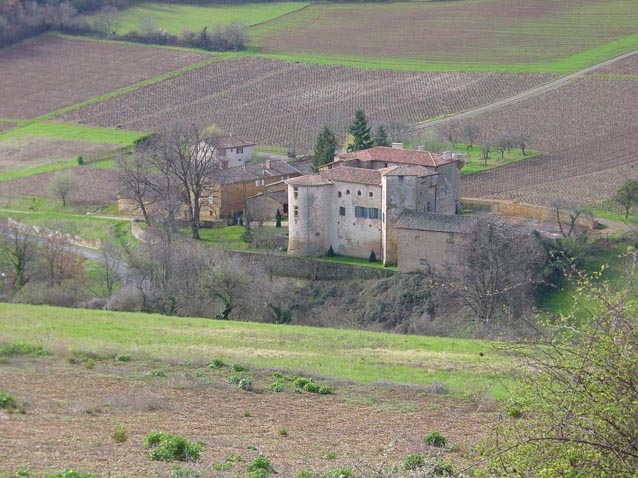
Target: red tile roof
(396, 156)
(353, 175)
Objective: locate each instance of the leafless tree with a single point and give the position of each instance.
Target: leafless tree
(498, 266)
(136, 180)
(62, 184)
(111, 260)
(62, 262)
(569, 218)
(450, 130)
(185, 159)
(18, 250)
(470, 134)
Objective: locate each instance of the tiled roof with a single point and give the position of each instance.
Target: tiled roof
(309, 180)
(353, 175)
(252, 172)
(230, 141)
(406, 170)
(435, 222)
(396, 156)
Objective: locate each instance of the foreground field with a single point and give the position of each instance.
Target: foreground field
(151, 373)
(480, 35)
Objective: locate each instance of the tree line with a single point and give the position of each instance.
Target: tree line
(20, 19)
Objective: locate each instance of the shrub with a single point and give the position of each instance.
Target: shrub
(413, 461)
(434, 439)
(301, 382)
(156, 373)
(184, 472)
(277, 386)
(20, 348)
(246, 384)
(119, 435)
(277, 375)
(324, 390)
(234, 379)
(443, 469)
(311, 387)
(169, 447)
(237, 367)
(217, 363)
(7, 401)
(122, 358)
(260, 467)
(372, 257)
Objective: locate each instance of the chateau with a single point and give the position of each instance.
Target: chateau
(355, 204)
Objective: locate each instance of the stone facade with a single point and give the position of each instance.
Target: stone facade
(354, 203)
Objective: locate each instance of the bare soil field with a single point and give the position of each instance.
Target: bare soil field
(286, 104)
(37, 151)
(49, 72)
(96, 187)
(588, 136)
(71, 412)
(491, 31)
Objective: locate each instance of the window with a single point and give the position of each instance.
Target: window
(401, 178)
(295, 192)
(339, 194)
(370, 194)
(342, 211)
(359, 192)
(221, 152)
(347, 191)
(240, 150)
(360, 211)
(296, 211)
(373, 213)
(427, 206)
(259, 182)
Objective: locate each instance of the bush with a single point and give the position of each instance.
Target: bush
(435, 439)
(20, 348)
(7, 401)
(311, 387)
(246, 384)
(237, 368)
(119, 435)
(184, 472)
(122, 358)
(301, 382)
(70, 473)
(339, 473)
(413, 461)
(260, 467)
(217, 363)
(169, 447)
(277, 386)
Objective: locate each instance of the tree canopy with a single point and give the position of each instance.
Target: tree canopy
(325, 148)
(627, 195)
(360, 132)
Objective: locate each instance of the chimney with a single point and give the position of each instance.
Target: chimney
(397, 145)
(268, 164)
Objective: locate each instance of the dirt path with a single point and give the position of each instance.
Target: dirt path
(539, 90)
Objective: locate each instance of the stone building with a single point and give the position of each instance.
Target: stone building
(353, 204)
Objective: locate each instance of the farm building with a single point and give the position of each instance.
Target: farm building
(232, 150)
(354, 203)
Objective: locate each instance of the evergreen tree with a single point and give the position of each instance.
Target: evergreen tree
(360, 132)
(325, 148)
(381, 137)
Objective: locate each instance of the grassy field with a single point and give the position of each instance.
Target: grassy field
(362, 357)
(531, 36)
(174, 17)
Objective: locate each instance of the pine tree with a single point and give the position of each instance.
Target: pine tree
(325, 148)
(381, 137)
(360, 132)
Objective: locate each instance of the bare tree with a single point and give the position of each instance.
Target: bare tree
(136, 178)
(499, 264)
(450, 130)
(111, 259)
(18, 250)
(62, 262)
(62, 184)
(471, 134)
(186, 160)
(569, 218)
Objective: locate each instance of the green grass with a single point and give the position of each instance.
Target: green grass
(363, 357)
(174, 17)
(474, 162)
(228, 238)
(354, 261)
(73, 132)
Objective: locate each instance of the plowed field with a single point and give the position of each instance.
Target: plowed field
(286, 104)
(71, 412)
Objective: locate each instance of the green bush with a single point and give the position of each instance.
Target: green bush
(184, 472)
(324, 390)
(443, 469)
(234, 379)
(169, 447)
(20, 348)
(122, 358)
(435, 439)
(311, 387)
(301, 382)
(246, 384)
(7, 401)
(413, 461)
(339, 473)
(260, 467)
(237, 367)
(119, 435)
(277, 386)
(217, 363)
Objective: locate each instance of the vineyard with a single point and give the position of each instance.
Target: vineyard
(588, 135)
(283, 103)
(531, 35)
(50, 72)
